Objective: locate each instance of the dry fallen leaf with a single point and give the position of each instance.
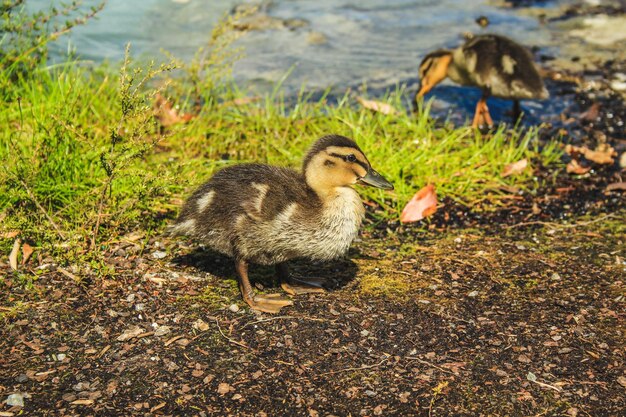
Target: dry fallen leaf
(223, 388)
(133, 236)
(603, 154)
(157, 407)
(200, 325)
(166, 114)
(27, 251)
(575, 168)
(130, 333)
(616, 186)
(14, 253)
(9, 235)
(82, 402)
(377, 106)
(423, 204)
(515, 168)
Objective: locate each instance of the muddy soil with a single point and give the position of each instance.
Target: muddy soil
(522, 322)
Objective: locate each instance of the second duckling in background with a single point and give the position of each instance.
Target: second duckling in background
(499, 66)
(268, 215)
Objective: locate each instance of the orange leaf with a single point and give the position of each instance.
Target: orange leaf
(27, 251)
(575, 168)
(166, 114)
(616, 186)
(9, 235)
(423, 204)
(377, 106)
(515, 168)
(603, 154)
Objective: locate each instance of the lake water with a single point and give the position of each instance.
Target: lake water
(376, 41)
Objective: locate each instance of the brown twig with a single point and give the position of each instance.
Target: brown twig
(68, 274)
(560, 226)
(280, 318)
(431, 365)
(228, 338)
(360, 368)
(94, 236)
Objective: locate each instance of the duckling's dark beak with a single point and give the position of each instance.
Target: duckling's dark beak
(374, 179)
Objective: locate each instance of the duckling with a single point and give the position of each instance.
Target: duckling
(494, 63)
(269, 215)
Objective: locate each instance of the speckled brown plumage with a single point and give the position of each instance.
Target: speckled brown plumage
(496, 64)
(501, 66)
(268, 215)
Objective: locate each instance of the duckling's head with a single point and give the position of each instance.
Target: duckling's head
(433, 70)
(336, 161)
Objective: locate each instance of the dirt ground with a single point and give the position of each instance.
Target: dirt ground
(502, 313)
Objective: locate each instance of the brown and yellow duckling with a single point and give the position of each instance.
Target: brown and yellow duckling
(268, 215)
(496, 64)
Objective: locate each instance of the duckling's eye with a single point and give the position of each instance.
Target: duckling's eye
(351, 158)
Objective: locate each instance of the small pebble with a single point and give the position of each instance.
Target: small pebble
(61, 356)
(473, 294)
(200, 325)
(364, 333)
(81, 386)
(234, 308)
(161, 331)
(15, 400)
(140, 306)
(159, 254)
(370, 393)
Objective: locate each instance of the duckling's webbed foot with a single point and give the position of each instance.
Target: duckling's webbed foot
(268, 303)
(297, 286)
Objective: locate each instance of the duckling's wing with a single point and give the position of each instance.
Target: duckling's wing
(503, 67)
(250, 211)
(255, 192)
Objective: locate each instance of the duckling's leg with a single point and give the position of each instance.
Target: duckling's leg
(297, 286)
(481, 115)
(486, 114)
(270, 303)
(517, 111)
(477, 116)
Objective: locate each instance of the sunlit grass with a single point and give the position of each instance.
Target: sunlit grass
(59, 126)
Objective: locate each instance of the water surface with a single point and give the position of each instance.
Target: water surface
(376, 41)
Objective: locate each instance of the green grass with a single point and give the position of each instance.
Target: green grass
(84, 161)
(77, 161)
